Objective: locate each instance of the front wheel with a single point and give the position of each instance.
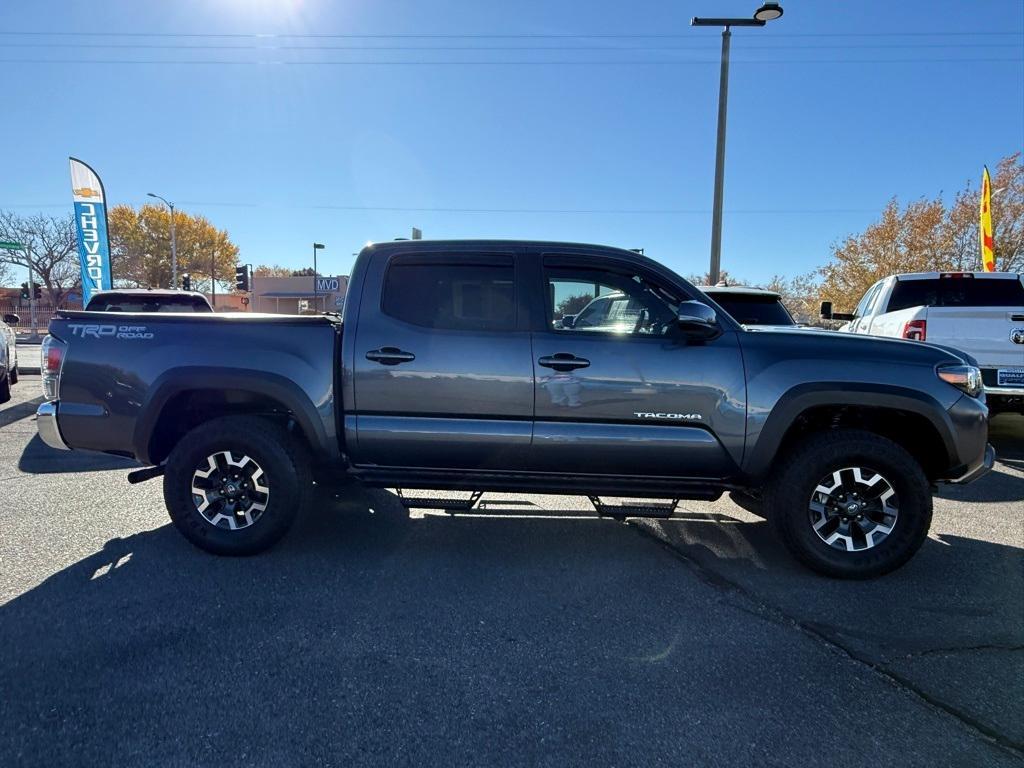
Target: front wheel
(234, 485)
(850, 504)
(5, 388)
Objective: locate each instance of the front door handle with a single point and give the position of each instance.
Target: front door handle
(390, 356)
(563, 361)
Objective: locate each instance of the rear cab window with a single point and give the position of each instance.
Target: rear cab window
(754, 309)
(956, 291)
(147, 304)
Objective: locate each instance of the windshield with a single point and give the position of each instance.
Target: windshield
(754, 309)
(966, 291)
(156, 303)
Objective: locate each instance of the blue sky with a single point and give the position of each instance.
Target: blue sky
(833, 109)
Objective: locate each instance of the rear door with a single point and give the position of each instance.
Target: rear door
(628, 394)
(443, 370)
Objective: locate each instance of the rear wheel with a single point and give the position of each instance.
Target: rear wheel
(234, 485)
(14, 375)
(5, 388)
(850, 504)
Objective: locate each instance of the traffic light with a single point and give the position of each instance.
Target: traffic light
(37, 290)
(186, 282)
(242, 278)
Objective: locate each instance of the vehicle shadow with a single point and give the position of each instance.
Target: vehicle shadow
(155, 647)
(38, 458)
(12, 413)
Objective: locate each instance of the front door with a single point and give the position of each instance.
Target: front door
(619, 388)
(443, 373)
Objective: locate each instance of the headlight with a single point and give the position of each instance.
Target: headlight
(966, 378)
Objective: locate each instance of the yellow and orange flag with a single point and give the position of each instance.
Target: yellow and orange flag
(988, 254)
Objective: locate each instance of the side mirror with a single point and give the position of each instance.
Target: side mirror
(12, 319)
(569, 321)
(828, 314)
(697, 317)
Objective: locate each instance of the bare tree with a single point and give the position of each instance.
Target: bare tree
(50, 241)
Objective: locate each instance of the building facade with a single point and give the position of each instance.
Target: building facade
(298, 295)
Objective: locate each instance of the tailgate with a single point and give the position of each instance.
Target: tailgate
(984, 332)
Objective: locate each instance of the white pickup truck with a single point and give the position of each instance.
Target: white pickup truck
(980, 313)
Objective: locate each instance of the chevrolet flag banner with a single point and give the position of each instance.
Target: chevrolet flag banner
(988, 254)
(91, 224)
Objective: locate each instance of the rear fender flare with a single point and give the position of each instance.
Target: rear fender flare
(178, 380)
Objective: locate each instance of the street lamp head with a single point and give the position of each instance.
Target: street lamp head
(150, 194)
(318, 246)
(768, 12)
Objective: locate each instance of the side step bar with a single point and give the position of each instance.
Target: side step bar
(451, 506)
(622, 511)
(615, 511)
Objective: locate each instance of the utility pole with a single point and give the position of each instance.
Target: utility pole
(31, 293)
(213, 278)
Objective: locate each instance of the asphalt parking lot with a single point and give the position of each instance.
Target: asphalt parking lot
(530, 632)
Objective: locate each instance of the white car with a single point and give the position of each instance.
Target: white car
(980, 313)
(8, 357)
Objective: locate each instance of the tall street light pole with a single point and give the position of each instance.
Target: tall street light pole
(316, 298)
(174, 241)
(767, 12)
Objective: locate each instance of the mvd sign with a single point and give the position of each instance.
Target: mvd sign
(327, 285)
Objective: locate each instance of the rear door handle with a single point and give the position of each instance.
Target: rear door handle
(390, 356)
(563, 361)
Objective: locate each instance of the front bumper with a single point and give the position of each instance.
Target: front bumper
(978, 470)
(46, 423)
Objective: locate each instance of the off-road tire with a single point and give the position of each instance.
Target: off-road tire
(796, 475)
(285, 464)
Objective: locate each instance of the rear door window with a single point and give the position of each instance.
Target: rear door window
(463, 296)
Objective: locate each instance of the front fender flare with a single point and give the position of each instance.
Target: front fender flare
(803, 397)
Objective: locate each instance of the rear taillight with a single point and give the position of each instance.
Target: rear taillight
(915, 330)
(52, 354)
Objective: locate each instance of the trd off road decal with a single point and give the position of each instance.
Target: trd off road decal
(109, 331)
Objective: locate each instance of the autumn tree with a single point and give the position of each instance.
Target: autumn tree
(927, 236)
(572, 305)
(272, 270)
(140, 248)
(276, 270)
(51, 246)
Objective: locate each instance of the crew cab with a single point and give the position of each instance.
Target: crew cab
(981, 313)
(448, 372)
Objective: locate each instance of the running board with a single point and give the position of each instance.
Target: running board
(622, 511)
(451, 506)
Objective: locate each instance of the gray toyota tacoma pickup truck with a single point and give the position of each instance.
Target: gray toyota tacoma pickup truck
(451, 370)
